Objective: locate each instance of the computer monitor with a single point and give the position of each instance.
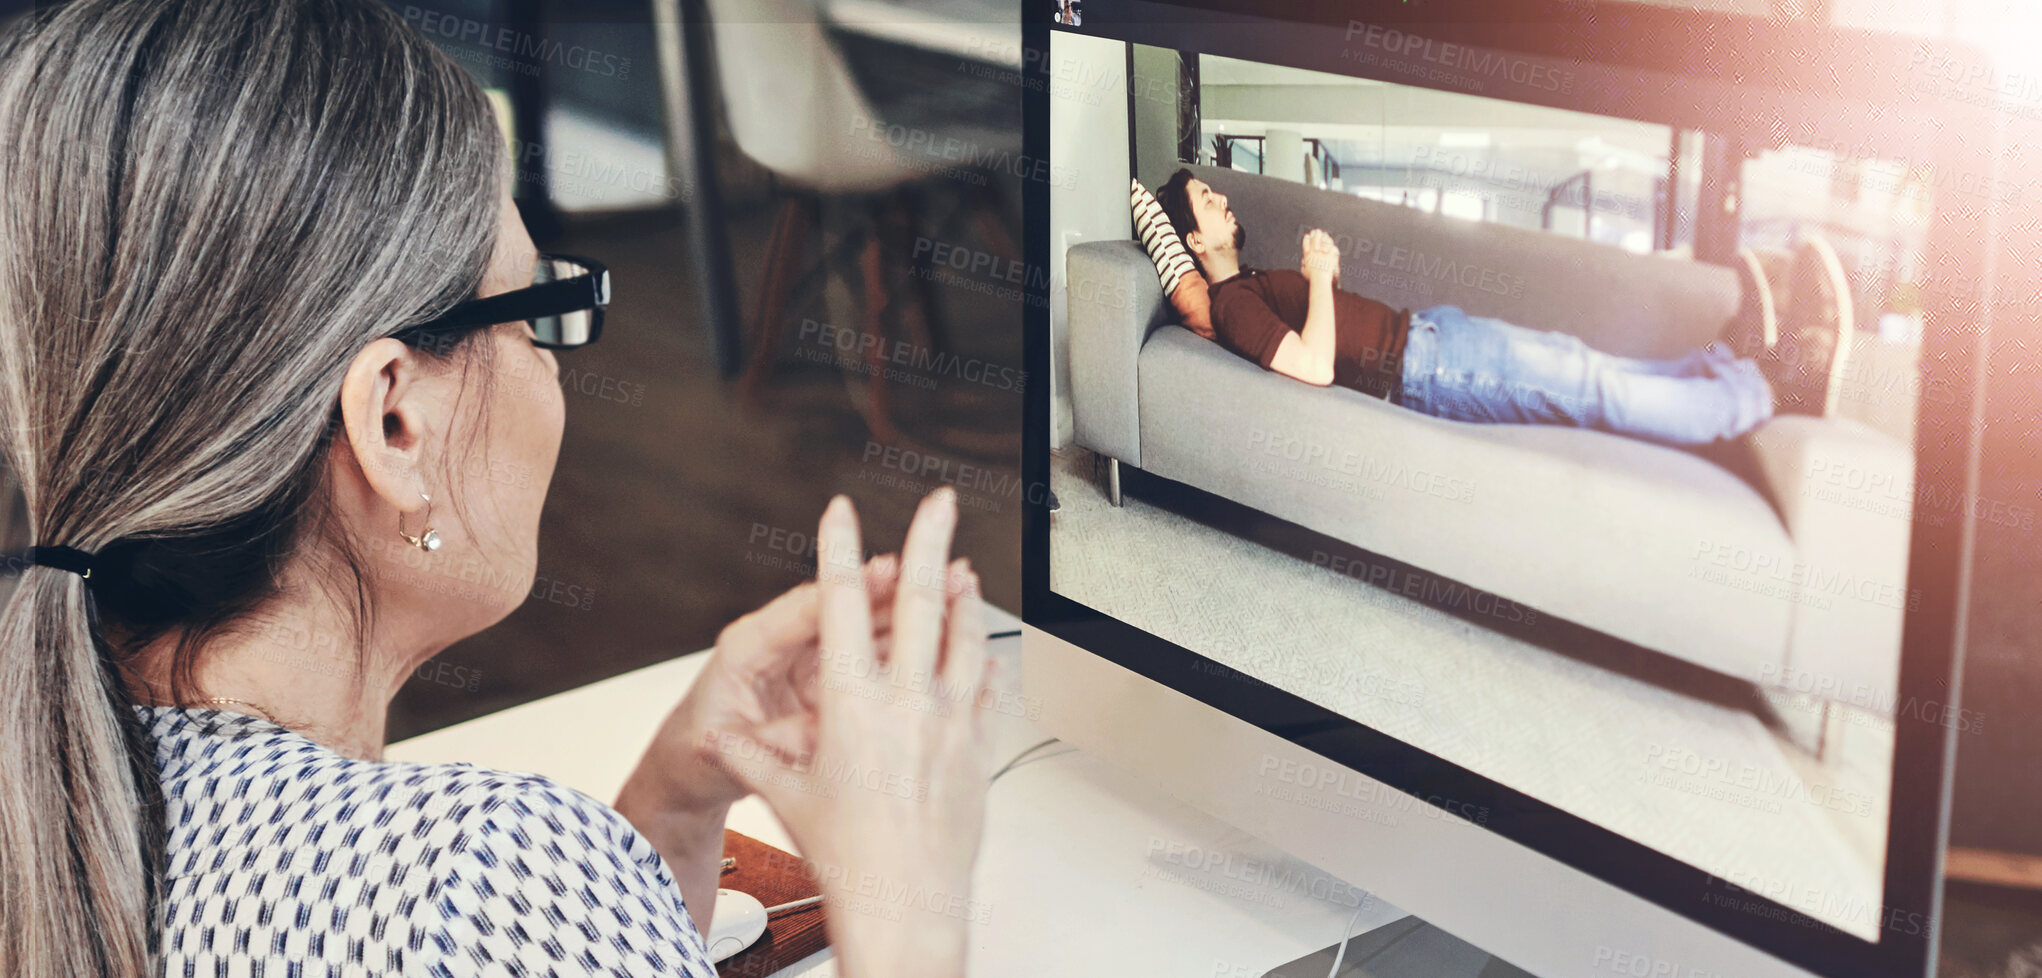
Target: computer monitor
(1592, 694)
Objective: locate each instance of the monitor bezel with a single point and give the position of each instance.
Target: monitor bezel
(1860, 82)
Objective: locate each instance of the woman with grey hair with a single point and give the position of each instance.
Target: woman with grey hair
(259, 279)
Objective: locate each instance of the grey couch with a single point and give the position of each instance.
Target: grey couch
(1788, 575)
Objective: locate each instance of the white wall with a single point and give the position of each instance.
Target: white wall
(1155, 113)
(1088, 189)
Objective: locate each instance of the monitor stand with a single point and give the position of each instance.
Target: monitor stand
(1404, 948)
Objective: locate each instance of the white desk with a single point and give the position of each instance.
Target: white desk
(1083, 871)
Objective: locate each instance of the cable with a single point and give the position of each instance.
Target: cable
(796, 905)
(1346, 934)
(1040, 757)
(1018, 758)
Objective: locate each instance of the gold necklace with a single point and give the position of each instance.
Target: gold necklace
(223, 700)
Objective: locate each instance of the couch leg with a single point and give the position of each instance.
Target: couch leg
(1113, 480)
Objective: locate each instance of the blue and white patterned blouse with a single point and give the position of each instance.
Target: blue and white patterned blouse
(287, 860)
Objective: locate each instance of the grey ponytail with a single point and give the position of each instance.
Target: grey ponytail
(207, 208)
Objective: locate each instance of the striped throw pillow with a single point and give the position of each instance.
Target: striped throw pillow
(1153, 227)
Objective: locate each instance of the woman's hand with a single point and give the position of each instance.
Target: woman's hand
(761, 676)
(885, 794)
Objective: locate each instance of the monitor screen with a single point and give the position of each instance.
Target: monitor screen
(1535, 432)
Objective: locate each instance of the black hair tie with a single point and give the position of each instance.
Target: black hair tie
(63, 558)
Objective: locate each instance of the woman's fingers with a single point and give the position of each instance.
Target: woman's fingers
(770, 759)
(846, 613)
(787, 740)
(962, 620)
(880, 586)
(881, 573)
(921, 599)
(803, 670)
(964, 644)
(793, 620)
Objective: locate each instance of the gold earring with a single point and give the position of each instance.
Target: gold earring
(430, 539)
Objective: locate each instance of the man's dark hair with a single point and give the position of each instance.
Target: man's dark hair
(1175, 196)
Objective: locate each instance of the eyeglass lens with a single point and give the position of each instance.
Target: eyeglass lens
(567, 329)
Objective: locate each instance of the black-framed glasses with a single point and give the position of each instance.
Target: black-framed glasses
(564, 304)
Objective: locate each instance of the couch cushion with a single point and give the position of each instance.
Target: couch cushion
(1622, 303)
(1650, 544)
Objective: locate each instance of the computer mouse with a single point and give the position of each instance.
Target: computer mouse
(738, 922)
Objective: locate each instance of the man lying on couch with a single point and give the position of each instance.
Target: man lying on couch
(1446, 363)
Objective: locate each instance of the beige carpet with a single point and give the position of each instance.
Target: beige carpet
(1707, 784)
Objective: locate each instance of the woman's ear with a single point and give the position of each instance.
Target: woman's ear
(389, 418)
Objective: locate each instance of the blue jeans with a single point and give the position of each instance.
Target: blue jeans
(1475, 368)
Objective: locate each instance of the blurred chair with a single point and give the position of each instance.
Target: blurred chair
(803, 95)
(794, 108)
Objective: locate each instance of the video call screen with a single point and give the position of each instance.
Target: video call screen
(1630, 552)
